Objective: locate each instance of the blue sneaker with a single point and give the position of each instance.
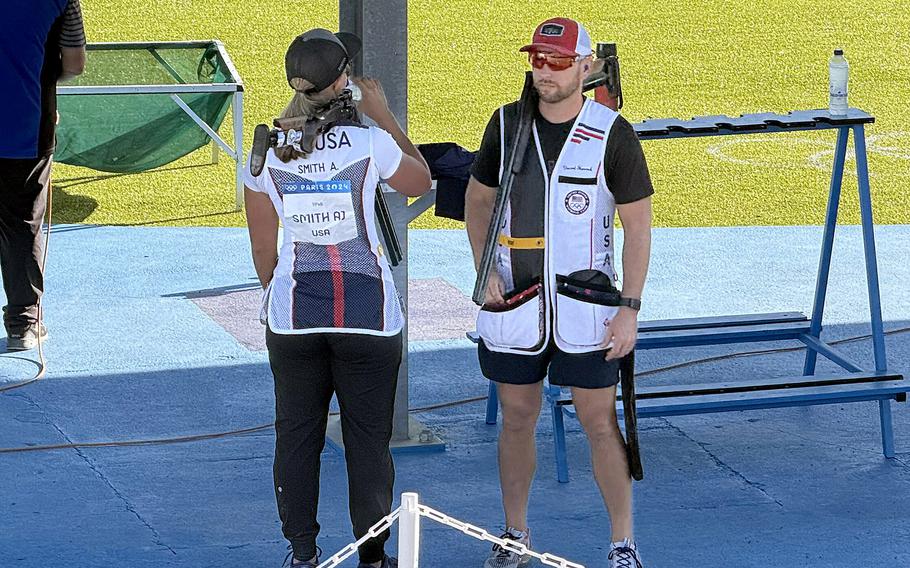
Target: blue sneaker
(387, 562)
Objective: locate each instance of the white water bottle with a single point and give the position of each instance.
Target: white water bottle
(356, 94)
(838, 72)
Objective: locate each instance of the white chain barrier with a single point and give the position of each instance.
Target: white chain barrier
(384, 524)
(410, 512)
(480, 534)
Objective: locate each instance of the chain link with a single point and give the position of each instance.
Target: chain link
(384, 524)
(473, 531)
(507, 544)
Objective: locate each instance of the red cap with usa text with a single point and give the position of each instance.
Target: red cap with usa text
(561, 35)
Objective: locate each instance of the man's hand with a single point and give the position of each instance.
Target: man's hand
(373, 102)
(495, 289)
(622, 331)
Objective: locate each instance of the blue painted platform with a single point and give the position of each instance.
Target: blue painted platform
(147, 341)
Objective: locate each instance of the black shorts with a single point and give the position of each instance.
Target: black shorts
(584, 370)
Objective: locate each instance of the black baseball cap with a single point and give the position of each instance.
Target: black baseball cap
(320, 56)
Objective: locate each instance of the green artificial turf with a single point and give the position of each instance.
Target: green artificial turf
(678, 59)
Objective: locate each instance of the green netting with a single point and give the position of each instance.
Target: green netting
(137, 132)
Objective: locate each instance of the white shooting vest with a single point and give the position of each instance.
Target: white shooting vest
(332, 274)
(578, 235)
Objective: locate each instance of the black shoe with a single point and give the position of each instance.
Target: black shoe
(25, 339)
(290, 561)
(387, 562)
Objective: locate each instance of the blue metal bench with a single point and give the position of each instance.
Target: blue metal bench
(698, 331)
(679, 400)
(807, 389)
(745, 395)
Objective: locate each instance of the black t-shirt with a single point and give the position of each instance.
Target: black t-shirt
(624, 161)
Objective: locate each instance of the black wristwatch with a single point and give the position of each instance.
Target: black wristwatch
(633, 303)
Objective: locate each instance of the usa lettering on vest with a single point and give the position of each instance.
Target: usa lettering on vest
(332, 140)
(326, 203)
(578, 235)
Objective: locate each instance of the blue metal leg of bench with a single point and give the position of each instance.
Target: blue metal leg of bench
(492, 404)
(559, 444)
(865, 213)
(875, 303)
(824, 263)
(884, 411)
(832, 354)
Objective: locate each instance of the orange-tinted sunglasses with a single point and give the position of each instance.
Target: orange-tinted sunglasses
(554, 61)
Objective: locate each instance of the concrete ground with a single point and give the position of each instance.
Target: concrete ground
(154, 335)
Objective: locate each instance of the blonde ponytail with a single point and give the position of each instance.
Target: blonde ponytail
(305, 105)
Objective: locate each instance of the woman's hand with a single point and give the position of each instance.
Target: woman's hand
(373, 102)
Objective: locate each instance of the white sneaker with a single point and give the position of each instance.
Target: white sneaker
(502, 558)
(26, 339)
(624, 554)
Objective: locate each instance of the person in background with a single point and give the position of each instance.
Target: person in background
(41, 43)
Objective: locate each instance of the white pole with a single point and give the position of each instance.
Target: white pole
(237, 111)
(408, 532)
(205, 127)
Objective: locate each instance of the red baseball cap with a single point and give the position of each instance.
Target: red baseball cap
(562, 35)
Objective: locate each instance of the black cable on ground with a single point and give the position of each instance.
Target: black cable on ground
(200, 437)
(264, 427)
(23, 383)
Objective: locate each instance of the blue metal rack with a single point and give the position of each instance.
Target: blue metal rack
(858, 385)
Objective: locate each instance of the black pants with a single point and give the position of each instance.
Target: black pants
(362, 370)
(23, 200)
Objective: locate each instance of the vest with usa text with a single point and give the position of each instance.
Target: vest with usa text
(566, 227)
(332, 274)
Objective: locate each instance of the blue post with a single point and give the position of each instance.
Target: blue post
(884, 411)
(492, 404)
(865, 212)
(824, 263)
(559, 443)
